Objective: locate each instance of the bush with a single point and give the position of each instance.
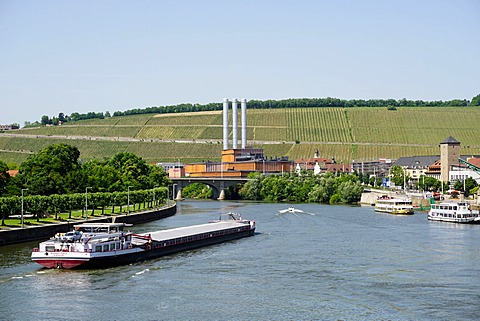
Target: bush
(335, 199)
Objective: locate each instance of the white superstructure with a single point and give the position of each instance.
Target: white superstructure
(454, 212)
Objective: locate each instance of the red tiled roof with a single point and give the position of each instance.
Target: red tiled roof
(474, 161)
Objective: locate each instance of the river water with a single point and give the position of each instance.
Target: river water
(328, 263)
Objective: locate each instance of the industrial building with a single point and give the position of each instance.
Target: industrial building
(238, 162)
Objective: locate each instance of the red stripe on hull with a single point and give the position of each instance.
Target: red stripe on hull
(62, 264)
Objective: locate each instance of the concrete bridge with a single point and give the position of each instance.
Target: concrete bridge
(216, 183)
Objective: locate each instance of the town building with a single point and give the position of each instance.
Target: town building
(417, 166)
(320, 165)
(378, 168)
(8, 127)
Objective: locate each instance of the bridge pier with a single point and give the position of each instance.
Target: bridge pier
(179, 195)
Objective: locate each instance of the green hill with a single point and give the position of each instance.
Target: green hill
(346, 133)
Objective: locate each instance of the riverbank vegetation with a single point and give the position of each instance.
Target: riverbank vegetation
(55, 181)
(302, 188)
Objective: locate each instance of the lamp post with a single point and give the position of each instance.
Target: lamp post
(23, 189)
(168, 194)
(154, 195)
(423, 185)
(128, 199)
(86, 202)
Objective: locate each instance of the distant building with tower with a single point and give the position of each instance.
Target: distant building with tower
(449, 154)
(450, 166)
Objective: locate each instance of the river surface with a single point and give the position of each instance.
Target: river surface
(328, 263)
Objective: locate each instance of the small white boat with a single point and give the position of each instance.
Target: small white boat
(454, 212)
(291, 209)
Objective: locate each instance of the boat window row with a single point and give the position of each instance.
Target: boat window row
(108, 247)
(389, 202)
(454, 215)
(445, 207)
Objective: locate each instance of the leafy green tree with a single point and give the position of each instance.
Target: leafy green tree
(470, 184)
(274, 188)
(101, 176)
(197, 190)
(304, 185)
(350, 191)
(398, 175)
(156, 177)
(45, 120)
(323, 191)
(466, 186)
(47, 172)
(133, 170)
(4, 178)
(475, 101)
(251, 190)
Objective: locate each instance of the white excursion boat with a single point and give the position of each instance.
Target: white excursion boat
(98, 245)
(393, 205)
(455, 212)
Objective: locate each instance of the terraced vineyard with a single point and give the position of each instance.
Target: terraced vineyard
(318, 124)
(343, 133)
(426, 125)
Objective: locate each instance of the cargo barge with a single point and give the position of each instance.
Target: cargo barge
(101, 245)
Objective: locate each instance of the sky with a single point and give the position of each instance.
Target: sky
(60, 56)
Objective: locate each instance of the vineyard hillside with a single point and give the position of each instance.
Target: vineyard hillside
(343, 133)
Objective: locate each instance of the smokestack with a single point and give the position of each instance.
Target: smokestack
(243, 102)
(234, 123)
(225, 123)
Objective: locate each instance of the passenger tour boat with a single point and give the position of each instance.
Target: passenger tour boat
(393, 205)
(98, 245)
(455, 212)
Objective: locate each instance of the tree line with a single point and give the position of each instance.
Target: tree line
(304, 187)
(44, 206)
(51, 173)
(260, 104)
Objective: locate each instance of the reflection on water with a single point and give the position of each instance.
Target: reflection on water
(330, 262)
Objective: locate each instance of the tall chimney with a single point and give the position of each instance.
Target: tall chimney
(234, 123)
(225, 123)
(243, 102)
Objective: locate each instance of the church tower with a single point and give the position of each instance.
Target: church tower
(449, 154)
